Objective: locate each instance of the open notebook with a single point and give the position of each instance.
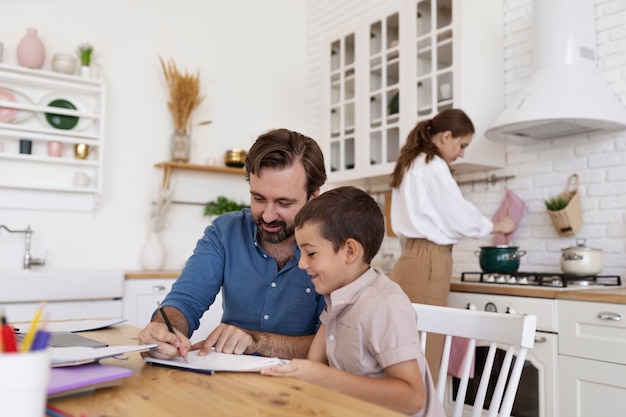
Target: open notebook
(217, 361)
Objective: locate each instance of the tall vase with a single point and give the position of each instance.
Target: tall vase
(30, 50)
(180, 146)
(153, 253)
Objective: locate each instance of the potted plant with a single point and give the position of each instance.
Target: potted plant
(222, 205)
(85, 51)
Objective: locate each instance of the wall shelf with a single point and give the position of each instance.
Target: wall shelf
(169, 167)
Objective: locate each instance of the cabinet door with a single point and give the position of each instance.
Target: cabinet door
(341, 81)
(140, 302)
(141, 296)
(591, 388)
(592, 330)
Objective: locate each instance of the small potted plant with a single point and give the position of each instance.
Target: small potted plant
(221, 205)
(85, 51)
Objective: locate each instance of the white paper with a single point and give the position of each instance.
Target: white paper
(78, 355)
(217, 361)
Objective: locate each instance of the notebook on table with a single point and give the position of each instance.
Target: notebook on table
(83, 378)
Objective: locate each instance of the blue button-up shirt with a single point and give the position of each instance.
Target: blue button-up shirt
(256, 295)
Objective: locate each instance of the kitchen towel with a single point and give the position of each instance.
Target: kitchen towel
(515, 207)
(458, 349)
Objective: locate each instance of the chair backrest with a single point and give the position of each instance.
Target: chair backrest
(512, 333)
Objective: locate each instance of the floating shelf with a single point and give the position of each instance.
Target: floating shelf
(168, 167)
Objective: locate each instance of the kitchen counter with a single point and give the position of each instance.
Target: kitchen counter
(615, 295)
(151, 274)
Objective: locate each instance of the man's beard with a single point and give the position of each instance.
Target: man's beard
(281, 235)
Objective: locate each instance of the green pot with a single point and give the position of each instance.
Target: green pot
(499, 259)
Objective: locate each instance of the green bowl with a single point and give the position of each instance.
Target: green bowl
(61, 121)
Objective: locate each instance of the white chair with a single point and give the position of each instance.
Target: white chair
(512, 333)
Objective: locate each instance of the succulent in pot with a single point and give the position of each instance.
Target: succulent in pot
(500, 259)
(581, 260)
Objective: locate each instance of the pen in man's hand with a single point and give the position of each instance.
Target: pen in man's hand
(167, 322)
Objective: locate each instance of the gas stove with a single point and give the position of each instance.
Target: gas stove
(542, 279)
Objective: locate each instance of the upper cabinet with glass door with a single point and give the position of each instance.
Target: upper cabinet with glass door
(457, 49)
(391, 70)
(342, 100)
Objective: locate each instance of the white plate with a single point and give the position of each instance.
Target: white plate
(13, 115)
(83, 122)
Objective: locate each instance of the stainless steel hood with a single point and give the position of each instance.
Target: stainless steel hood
(566, 94)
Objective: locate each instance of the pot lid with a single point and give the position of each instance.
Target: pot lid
(580, 246)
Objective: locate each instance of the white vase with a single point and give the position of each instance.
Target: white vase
(153, 253)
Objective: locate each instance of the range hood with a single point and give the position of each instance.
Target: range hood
(566, 95)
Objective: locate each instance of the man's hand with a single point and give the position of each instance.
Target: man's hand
(170, 345)
(227, 339)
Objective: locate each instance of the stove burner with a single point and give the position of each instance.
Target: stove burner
(542, 279)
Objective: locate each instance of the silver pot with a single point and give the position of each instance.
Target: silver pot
(581, 260)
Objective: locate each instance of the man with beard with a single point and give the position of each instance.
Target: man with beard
(270, 305)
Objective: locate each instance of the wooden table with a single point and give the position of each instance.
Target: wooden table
(154, 391)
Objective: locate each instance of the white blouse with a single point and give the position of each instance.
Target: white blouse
(429, 205)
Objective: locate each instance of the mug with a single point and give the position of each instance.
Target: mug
(81, 179)
(55, 148)
(82, 151)
(26, 146)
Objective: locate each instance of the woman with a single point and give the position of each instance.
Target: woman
(428, 212)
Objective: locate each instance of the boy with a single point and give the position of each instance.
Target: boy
(367, 345)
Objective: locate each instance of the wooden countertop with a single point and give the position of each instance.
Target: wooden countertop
(151, 274)
(615, 295)
(155, 391)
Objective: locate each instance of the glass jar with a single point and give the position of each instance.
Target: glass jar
(180, 146)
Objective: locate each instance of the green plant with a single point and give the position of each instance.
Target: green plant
(222, 205)
(556, 203)
(84, 53)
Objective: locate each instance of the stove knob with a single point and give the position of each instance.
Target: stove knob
(501, 280)
(512, 280)
(523, 281)
(491, 278)
(511, 310)
(470, 306)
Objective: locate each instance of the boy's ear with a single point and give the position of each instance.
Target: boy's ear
(352, 250)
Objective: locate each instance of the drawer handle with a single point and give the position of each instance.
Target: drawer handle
(158, 288)
(540, 339)
(608, 315)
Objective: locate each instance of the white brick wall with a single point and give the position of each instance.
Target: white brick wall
(541, 169)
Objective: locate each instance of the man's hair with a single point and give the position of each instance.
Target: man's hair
(280, 148)
(343, 213)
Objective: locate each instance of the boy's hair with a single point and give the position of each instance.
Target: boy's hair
(343, 213)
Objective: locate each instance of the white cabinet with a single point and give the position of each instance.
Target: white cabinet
(592, 364)
(61, 118)
(390, 70)
(140, 302)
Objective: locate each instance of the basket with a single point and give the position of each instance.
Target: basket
(568, 221)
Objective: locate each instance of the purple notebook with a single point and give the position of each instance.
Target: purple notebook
(75, 379)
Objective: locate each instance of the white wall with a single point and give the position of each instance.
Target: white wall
(540, 170)
(252, 64)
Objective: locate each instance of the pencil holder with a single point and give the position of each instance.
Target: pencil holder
(24, 383)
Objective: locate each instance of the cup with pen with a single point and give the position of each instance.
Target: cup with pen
(24, 370)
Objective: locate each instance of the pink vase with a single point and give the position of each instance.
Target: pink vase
(30, 50)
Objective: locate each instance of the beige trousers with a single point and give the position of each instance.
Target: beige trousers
(424, 271)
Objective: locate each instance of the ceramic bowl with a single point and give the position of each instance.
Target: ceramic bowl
(64, 63)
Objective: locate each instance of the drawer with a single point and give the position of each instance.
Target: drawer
(592, 330)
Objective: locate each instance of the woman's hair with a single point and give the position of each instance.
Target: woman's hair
(280, 148)
(420, 141)
(343, 213)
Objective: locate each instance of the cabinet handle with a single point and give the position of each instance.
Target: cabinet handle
(608, 315)
(158, 288)
(540, 339)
